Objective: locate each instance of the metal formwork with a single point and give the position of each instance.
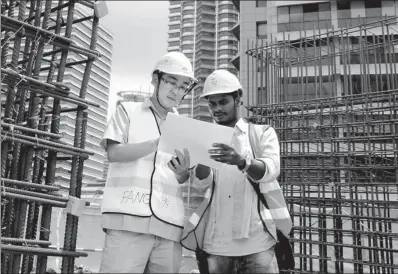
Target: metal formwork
(332, 96)
(35, 47)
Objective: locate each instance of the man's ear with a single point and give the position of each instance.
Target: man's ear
(155, 79)
(237, 101)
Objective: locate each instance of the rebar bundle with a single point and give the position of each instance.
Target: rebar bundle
(332, 96)
(35, 97)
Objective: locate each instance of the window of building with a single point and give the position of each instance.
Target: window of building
(373, 8)
(262, 30)
(175, 18)
(174, 35)
(296, 14)
(388, 8)
(304, 17)
(324, 12)
(176, 10)
(311, 12)
(187, 29)
(261, 3)
(174, 27)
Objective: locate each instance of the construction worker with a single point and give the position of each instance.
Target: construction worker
(142, 209)
(231, 235)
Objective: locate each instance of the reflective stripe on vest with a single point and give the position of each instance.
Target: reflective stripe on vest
(140, 188)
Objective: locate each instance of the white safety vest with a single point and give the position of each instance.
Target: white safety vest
(147, 186)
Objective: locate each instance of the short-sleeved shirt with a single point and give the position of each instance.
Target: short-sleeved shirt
(118, 130)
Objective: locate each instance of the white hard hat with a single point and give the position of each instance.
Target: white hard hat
(220, 82)
(175, 63)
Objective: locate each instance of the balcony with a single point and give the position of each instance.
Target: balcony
(228, 19)
(174, 14)
(174, 5)
(236, 4)
(173, 31)
(206, 38)
(236, 31)
(207, 66)
(188, 7)
(206, 57)
(224, 56)
(188, 25)
(208, 30)
(207, 20)
(236, 62)
(172, 23)
(173, 39)
(208, 3)
(187, 33)
(233, 47)
(226, 66)
(187, 42)
(207, 12)
(188, 16)
(207, 47)
(231, 11)
(173, 48)
(187, 51)
(227, 38)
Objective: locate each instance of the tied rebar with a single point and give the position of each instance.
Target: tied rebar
(33, 100)
(332, 96)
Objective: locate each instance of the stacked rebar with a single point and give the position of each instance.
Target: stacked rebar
(33, 99)
(332, 96)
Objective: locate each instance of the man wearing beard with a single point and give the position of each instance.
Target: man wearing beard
(239, 234)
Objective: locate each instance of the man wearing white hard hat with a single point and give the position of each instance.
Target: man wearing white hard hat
(226, 230)
(142, 208)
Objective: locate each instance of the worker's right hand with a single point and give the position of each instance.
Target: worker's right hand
(180, 165)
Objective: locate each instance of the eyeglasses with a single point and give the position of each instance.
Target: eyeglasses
(181, 89)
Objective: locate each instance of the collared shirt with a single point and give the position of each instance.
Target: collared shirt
(118, 130)
(230, 188)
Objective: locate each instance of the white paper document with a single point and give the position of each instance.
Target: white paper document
(179, 132)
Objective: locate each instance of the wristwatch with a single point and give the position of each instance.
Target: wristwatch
(248, 162)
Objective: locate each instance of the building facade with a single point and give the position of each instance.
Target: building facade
(266, 22)
(201, 30)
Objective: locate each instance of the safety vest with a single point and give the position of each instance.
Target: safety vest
(276, 217)
(145, 187)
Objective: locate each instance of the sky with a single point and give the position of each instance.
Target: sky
(139, 31)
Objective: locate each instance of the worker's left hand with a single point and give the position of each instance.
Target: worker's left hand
(180, 165)
(225, 154)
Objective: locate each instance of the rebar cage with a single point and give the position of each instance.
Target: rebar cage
(37, 32)
(332, 96)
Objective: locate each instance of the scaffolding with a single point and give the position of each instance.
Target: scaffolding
(33, 99)
(332, 96)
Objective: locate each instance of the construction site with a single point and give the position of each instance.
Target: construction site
(36, 49)
(331, 95)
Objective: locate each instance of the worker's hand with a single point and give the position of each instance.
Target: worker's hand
(180, 165)
(225, 154)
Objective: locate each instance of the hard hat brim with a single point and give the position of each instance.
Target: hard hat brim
(214, 93)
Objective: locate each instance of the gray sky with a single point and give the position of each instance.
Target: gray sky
(139, 38)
